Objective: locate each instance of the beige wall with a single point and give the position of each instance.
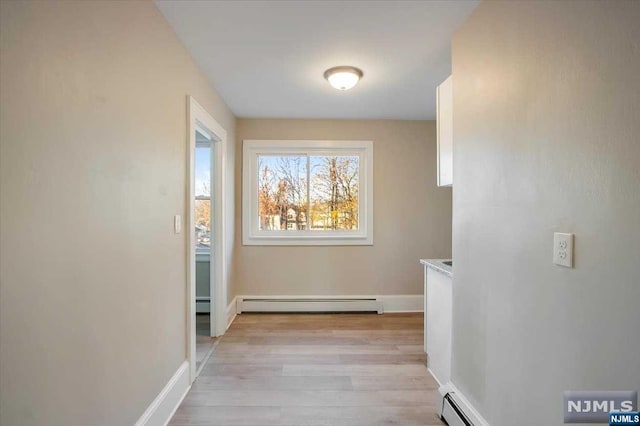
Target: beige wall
(93, 168)
(546, 108)
(412, 217)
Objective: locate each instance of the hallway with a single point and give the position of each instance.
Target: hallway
(315, 369)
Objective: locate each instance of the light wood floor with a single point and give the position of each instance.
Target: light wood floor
(306, 369)
(204, 341)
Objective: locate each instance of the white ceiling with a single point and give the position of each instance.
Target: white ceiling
(266, 58)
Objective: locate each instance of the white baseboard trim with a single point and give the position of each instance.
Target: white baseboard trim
(305, 304)
(463, 403)
(232, 311)
(434, 377)
(168, 400)
(390, 303)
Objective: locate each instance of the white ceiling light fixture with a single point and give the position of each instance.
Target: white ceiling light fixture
(343, 77)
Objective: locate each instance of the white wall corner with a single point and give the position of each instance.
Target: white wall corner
(232, 311)
(168, 400)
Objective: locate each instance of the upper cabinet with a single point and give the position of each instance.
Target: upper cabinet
(444, 124)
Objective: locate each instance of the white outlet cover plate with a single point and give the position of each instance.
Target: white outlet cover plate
(177, 224)
(563, 249)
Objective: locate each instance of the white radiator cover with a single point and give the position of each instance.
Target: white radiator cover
(455, 408)
(310, 304)
(452, 413)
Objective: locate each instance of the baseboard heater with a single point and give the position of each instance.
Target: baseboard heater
(452, 413)
(316, 304)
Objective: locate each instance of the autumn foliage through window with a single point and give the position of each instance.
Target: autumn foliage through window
(203, 199)
(308, 192)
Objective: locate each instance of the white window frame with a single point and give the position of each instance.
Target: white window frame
(252, 235)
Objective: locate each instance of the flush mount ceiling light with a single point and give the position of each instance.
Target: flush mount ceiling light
(344, 77)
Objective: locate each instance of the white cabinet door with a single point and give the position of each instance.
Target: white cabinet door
(444, 124)
(439, 316)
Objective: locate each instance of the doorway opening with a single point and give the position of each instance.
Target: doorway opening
(203, 216)
(206, 313)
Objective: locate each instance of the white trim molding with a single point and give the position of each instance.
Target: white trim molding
(384, 303)
(164, 406)
(232, 311)
(320, 304)
(201, 121)
(251, 232)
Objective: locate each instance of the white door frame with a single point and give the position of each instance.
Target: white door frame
(199, 118)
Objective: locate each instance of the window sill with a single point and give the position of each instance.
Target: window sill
(307, 241)
(203, 256)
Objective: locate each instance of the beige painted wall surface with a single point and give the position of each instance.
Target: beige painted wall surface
(93, 168)
(412, 217)
(546, 108)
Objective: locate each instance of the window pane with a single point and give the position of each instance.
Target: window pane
(203, 198)
(282, 192)
(334, 192)
(203, 224)
(203, 172)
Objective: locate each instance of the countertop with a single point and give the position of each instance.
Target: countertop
(437, 265)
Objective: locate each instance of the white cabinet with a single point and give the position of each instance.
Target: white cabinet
(438, 320)
(444, 124)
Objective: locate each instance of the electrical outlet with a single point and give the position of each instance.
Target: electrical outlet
(563, 249)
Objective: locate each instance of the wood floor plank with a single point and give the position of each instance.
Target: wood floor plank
(315, 369)
(394, 383)
(355, 370)
(270, 359)
(309, 398)
(335, 349)
(308, 340)
(396, 340)
(211, 369)
(272, 383)
(355, 416)
(411, 349)
(243, 348)
(226, 416)
(375, 333)
(379, 359)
